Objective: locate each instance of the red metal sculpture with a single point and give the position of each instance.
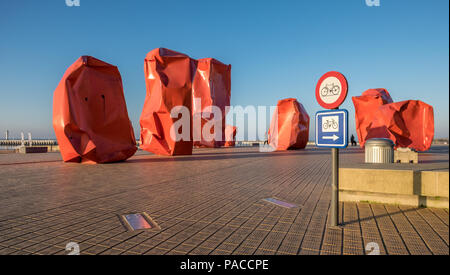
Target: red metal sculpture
(365, 107)
(168, 78)
(211, 89)
(230, 136)
(90, 116)
(407, 123)
(289, 128)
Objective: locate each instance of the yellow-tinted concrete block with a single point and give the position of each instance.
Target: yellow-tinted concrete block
(434, 183)
(408, 187)
(442, 184)
(377, 180)
(428, 186)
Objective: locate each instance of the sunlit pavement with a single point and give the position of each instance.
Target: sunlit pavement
(207, 203)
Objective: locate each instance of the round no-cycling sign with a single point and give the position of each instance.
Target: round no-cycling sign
(331, 90)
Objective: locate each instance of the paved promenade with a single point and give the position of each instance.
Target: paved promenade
(207, 203)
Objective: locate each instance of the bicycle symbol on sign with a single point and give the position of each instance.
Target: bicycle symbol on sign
(330, 90)
(330, 124)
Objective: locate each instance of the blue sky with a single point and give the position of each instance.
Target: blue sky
(278, 49)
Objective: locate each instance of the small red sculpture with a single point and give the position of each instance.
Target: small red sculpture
(289, 128)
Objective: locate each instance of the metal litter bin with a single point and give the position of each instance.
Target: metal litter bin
(379, 150)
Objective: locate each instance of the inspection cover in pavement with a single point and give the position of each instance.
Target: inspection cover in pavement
(138, 221)
(280, 203)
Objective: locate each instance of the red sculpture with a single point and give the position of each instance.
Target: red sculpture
(407, 123)
(90, 115)
(289, 128)
(168, 78)
(230, 136)
(211, 87)
(365, 107)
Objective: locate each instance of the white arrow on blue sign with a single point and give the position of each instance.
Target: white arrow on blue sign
(332, 128)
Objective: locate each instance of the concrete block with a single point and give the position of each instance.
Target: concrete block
(405, 155)
(377, 180)
(435, 183)
(407, 187)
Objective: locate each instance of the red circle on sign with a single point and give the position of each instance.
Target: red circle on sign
(343, 90)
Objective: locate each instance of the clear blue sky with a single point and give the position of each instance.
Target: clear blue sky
(278, 49)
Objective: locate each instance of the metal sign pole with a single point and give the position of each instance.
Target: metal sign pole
(334, 187)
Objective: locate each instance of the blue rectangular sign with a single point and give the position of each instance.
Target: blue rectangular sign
(332, 128)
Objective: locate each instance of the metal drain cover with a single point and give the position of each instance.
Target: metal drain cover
(138, 221)
(280, 203)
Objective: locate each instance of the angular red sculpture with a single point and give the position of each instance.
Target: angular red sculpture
(408, 123)
(90, 116)
(230, 136)
(168, 78)
(291, 122)
(211, 87)
(365, 107)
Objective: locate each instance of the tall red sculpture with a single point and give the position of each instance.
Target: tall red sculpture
(90, 116)
(168, 78)
(211, 87)
(365, 107)
(407, 123)
(289, 128)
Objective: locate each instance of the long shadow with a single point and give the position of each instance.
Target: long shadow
(380, 216)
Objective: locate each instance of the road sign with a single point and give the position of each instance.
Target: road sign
(331, 90)
(332, 128)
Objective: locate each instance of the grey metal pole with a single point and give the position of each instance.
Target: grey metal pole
(335, 187)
